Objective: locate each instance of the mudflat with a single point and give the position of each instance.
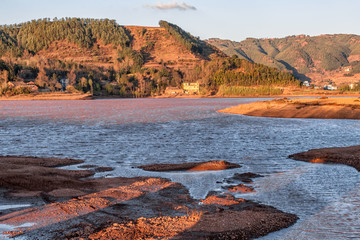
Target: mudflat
(190, 166)
(340, 155)
(68, 205)
(327, 108)
(47, 96)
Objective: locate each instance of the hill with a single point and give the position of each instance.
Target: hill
(322, 59)
(104, 58)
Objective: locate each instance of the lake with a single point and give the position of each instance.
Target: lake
(126, 133)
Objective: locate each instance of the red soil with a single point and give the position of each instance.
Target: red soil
(123, 208)
(191, 166)
(329, 108)
(345, 155)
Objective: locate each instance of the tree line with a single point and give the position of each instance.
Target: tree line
(126, 75)
(190, 42)
(36, 35)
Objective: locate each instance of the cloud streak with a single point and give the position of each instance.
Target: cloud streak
(169, 6)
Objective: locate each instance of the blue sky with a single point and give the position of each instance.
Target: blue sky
(227, 19)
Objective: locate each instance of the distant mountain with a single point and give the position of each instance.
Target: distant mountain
(325, 58)
(104, 58)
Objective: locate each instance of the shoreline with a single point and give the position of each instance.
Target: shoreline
(84, 96)
(336, 155)
(69, 205)
(47, 96)
(322, 108)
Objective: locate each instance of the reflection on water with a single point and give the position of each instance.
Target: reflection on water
(125, 133)
(12, 206)
(6, 228)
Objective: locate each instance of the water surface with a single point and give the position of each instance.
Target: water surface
(125, 133)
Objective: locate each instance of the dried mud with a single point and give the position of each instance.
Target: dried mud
(326, 108)
(71, 207)
(340, 155)
(190, 166)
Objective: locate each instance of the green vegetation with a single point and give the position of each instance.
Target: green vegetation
(297, 54)
(225, 90)
(119, 70)
(39, 34)
(348, 88)
(136, 60)
(238, 72)
(186, 39)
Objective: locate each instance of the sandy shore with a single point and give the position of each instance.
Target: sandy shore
(329, 108)
(84, 96)
(66, 205)
(345, 155)
(47, 96)
(190, 166)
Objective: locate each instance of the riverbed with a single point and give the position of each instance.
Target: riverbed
(126, 133)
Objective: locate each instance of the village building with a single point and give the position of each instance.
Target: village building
(306, 83)
(64, 83)
(173, 91)
(191, 88)
(330, 87)
(30, 86)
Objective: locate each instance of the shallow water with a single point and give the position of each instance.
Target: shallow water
(125, 133)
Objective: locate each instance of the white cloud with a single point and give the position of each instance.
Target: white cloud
(173, 5)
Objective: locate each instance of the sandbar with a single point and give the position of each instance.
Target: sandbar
(338, 155)
(326, 108)
(72, 206)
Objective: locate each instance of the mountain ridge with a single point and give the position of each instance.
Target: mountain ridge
(316, 58)
(104, 58)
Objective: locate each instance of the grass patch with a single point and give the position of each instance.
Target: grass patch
(248, 91)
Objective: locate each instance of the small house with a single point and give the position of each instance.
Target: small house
(173, 91)
(306, 83)
(191, 88)
(330, 87)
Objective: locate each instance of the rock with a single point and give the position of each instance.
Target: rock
(191, 166)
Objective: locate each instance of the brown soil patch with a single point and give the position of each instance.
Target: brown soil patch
(160, 227)
(103, 169)
(38, 177)
(191, 166)
(241, 188)
(47, 96)
(24, 174)
(124, 208)
(226, 200)
(243, 177)
(329, 108)
(344, 155)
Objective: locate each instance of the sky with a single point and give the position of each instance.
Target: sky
(226, 19)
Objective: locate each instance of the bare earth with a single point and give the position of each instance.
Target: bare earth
(190, 166)
(330, 108)
(345, 155)
(47, 96)
(65, 205)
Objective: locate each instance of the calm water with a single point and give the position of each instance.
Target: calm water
(125, 133)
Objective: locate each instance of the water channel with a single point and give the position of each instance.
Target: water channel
(125, 133)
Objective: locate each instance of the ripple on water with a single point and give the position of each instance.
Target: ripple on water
(125, 133)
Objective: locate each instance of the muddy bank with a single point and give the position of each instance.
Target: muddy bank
(340, 155)
(190, 166)
(328, 108)
(40, 179)
(71, 207)
(47, 96)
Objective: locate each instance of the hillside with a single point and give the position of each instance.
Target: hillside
(323, 59)
(104, 58)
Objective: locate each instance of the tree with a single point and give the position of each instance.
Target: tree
(4, 77)
(42, 79)
(90, 82)
(71, 76)
(53, 83)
